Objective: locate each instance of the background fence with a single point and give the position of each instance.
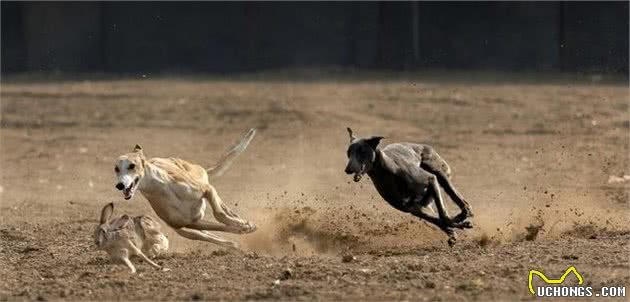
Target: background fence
(248, 36)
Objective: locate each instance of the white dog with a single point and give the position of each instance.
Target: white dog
(179, 191)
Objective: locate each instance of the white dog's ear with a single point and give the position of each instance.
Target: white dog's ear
(352, 137)
(138, 149)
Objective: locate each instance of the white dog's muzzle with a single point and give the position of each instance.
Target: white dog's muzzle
(128, 185)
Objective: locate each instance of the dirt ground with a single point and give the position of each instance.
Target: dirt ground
(533, 159)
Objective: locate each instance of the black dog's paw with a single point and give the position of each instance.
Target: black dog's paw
(463, 225)
(451, 241)
(466, 224)
(462, 216)
(452, 237)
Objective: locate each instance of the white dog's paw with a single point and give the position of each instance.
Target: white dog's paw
(247, 228)
(251, 227)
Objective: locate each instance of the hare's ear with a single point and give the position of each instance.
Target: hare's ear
(107, 212)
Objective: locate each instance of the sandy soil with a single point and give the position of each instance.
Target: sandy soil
(533, 159)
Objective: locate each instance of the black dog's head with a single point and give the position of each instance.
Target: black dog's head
(361, 155)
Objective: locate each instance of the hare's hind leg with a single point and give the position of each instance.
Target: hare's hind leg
(128, 263)
(123, 256)
(144, 257)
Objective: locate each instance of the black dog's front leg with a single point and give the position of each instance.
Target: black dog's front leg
(418, 211)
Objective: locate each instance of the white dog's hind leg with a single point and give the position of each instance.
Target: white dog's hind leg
(225, 215)
(205, 236)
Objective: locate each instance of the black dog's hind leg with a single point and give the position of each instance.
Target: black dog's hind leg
(425, 206)
(445, 182)
(433, 192)
(421, 176)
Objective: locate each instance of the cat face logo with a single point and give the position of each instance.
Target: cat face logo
(542, 276)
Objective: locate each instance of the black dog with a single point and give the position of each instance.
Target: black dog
(408, 176)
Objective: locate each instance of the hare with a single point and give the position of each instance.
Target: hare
(125, 236)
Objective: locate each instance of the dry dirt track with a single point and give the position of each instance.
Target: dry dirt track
(525, 155)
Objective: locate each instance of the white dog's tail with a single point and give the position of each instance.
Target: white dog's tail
(226, 161)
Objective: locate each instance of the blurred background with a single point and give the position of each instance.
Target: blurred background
(233, 37)
(527, 101)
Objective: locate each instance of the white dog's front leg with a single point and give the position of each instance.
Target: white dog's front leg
(206, 236)
(203, 225)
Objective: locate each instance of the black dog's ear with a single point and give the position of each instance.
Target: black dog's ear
(374, 141)
(352, 137)
(137, 148)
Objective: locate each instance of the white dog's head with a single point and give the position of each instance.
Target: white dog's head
(129, 171)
